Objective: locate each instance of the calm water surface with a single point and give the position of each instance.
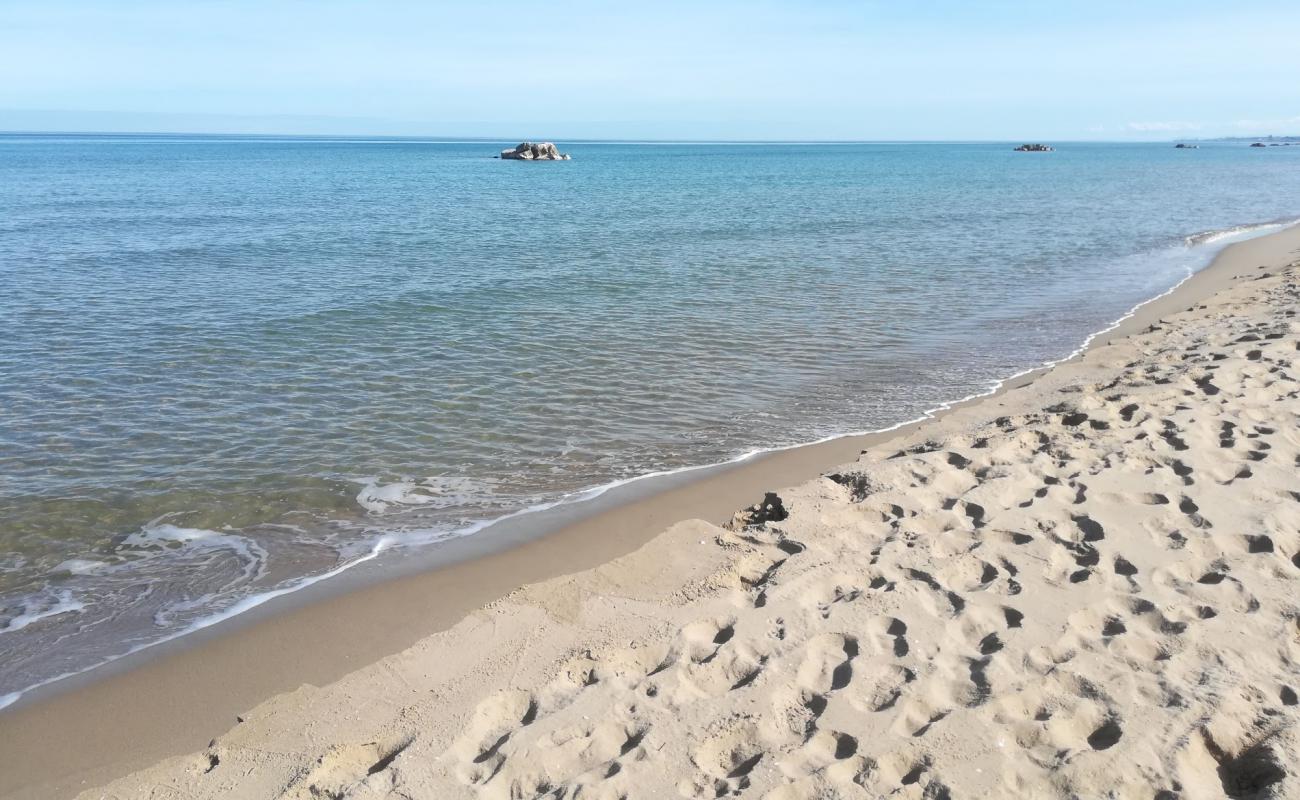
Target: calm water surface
(227, 365)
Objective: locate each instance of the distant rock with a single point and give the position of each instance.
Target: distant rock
(535, 151)
(1033, 148)
(1181, 146)
(1259, 144)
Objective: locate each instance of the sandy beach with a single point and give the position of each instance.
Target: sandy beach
(1083, 585)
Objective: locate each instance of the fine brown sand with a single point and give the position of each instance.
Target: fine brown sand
(1082, 586)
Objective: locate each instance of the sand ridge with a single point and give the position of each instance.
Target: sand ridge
(1087, 589)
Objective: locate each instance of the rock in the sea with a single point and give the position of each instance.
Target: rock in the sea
(535, 151)
(1258, 144)
(1033, 148)
(1181, 146)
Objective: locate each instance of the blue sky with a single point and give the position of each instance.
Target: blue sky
(919, 69)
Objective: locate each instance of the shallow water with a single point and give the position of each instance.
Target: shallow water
(228, 364)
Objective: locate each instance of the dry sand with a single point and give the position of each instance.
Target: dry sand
(1082, 587)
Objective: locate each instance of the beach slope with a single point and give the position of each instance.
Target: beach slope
(1083, 586)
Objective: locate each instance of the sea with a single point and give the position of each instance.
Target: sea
(233, 366)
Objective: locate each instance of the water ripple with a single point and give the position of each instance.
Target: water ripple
(228, 365)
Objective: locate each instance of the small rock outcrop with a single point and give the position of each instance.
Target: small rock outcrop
(535, 151)
(1033, 148)
(1181, 146)
(1258, 144)
(772, 509)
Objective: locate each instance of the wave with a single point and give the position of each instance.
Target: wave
(32, 611)
(1224, 234)
(377, 496)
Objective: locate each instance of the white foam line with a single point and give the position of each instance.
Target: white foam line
(63, 605)
(235, 609)
(1244, 232)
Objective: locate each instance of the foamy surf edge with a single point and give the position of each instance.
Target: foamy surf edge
(1215, 240)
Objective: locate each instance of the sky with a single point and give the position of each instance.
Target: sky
(727, 69)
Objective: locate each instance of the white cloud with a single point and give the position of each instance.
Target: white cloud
(1161, 127)
(1290, 125)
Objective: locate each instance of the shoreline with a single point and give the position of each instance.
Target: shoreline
(485, 537)
(207, 680)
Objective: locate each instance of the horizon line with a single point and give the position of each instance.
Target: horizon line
(437, 139)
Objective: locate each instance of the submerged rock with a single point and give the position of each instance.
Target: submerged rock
(1033, 148)
(535, 151)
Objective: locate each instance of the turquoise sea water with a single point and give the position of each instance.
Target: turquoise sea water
(229, 364)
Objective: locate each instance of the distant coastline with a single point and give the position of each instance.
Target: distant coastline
(1249, 139)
